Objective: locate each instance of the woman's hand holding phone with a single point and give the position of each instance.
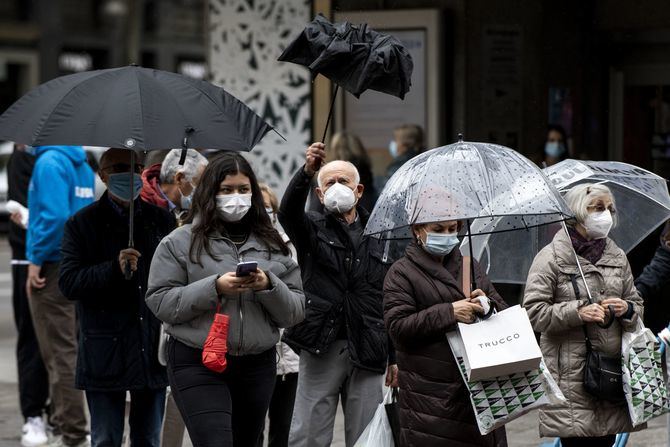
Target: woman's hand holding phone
(229, 283)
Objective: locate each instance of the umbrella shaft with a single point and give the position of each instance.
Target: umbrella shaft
(131, 206)
(330, 113)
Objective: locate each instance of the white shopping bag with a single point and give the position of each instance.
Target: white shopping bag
(502, 345)
(378, 433)
(495, 402)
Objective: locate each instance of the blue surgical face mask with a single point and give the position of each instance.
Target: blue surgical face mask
(554, 149)
(119, 186)
(441, 244)
(393, 148)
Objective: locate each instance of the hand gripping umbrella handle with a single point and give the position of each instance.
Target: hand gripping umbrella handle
(127, 273)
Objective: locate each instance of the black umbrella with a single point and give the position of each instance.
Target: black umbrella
(134, 108)
(354, 57)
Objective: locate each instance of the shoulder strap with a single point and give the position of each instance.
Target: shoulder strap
(573, 280)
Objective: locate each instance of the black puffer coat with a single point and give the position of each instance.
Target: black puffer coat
(435, 407)
(118, 334)
(342, 282)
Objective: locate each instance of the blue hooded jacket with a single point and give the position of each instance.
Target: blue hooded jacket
(61, 184)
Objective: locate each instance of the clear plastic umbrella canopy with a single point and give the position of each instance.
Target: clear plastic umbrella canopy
(642, 204)
(476, 182)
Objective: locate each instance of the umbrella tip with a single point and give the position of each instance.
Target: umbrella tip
(460, 137)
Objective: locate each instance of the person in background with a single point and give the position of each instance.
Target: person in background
(32, 375)
(118, 338)
(407, 142)
(62, 183)
(650, 283)
(558, 308)
(556, 146)
(193, 272)
(423, 300)
(344, 347)
(170, 185)
(283, 396)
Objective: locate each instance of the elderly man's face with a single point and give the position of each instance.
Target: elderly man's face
(342, 173)
(116, 161)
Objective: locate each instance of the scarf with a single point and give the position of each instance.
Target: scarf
(591, 250)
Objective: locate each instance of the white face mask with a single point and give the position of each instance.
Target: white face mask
(185, 201)
(233, 207)
(339, 199)
(599, 224)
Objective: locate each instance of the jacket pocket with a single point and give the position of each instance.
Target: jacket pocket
(103, 356)
(373, 347)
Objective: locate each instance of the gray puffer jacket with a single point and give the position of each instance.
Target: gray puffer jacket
(183, 295)
(552, 305)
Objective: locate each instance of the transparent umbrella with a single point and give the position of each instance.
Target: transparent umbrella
(642, 205)
(493, 188)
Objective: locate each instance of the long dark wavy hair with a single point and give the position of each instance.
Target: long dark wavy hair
(205, 217)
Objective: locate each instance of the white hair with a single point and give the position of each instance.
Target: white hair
(357, 176)
(579, 197)
(170, 167)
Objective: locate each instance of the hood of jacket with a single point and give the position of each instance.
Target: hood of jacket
(76, 154)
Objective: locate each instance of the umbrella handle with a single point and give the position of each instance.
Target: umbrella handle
(127, 273)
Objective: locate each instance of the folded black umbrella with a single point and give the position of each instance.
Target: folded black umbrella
(354, 57)
(132, 107)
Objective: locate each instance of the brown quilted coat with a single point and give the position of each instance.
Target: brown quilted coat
(435, 408)
(552, 308)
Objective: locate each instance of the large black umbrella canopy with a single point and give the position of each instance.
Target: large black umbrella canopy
(354, 57)
(132, 107)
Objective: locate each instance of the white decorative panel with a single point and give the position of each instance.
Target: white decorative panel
(246, 38)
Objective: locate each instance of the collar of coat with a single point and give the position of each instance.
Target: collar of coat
(116, 211)
(252, 242)
(449, 273)
(612, 256)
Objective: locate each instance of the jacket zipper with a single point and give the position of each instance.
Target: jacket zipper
(239, 297)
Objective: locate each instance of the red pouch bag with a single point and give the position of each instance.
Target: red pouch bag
(216, 344)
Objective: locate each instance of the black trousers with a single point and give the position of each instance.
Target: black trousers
(226, 409)
(281, 411)
(603, 441)
(33, 378)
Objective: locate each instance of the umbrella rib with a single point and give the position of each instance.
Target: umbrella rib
(487, 178)
(221, 111)
(139, 94)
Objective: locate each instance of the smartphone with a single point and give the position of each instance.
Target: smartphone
(246, 268)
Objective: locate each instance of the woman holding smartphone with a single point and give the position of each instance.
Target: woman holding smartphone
(193, 271)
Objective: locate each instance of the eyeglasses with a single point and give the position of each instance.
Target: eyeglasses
(599, 208)
(118, 168)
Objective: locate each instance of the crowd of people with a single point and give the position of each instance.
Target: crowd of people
(110, 330)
